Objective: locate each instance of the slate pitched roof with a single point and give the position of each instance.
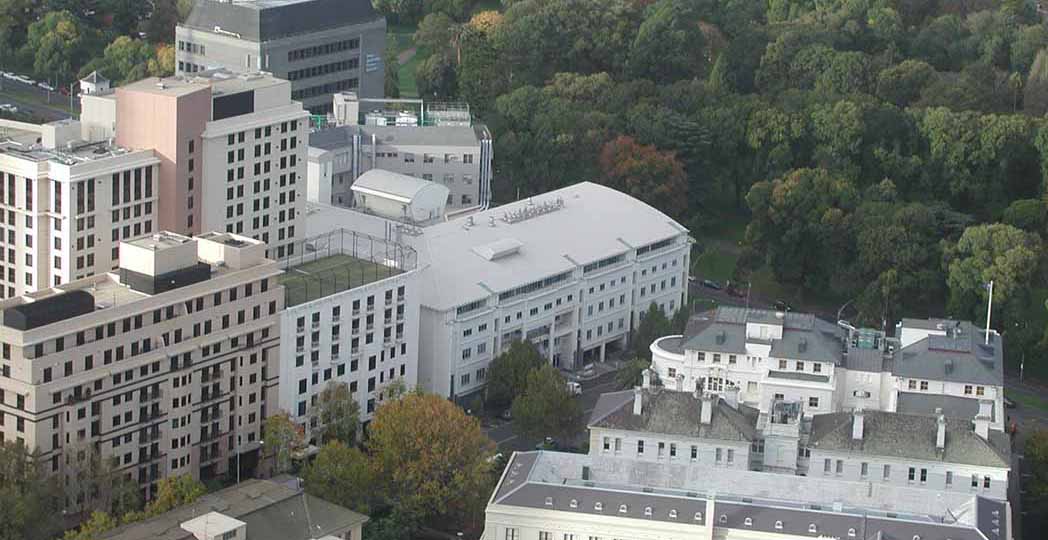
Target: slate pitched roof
(804, 336)
(963, 357)
(674, 413)
(898, 435)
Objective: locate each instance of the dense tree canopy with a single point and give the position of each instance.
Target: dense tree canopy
(508, 373)
(546, 407)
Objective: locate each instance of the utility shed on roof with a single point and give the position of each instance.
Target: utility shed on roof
(398, 196)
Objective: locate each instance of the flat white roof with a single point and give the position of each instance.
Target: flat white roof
(594, 222)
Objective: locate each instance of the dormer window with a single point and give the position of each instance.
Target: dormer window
(748, 522)
(549, 501)
(598, 506)
(673, 513)
(916, 537)
(698, 516)
(851, 532)
(623, 509)
(723, 518)
(647, 511)
(574, 503)
(778, 525)
(812, 528)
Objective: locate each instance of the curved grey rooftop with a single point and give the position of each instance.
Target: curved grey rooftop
(264, 20)
(394, 185)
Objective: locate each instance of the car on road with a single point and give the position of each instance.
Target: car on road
(25, 80)
(506, 414)
(574, 388)
(710, 284)
(1009, 403)
(782, 306)
(46, 86)
(8, 74)
(7, 107)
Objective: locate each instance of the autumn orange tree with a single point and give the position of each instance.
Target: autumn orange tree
(430, 460)
(646, 173)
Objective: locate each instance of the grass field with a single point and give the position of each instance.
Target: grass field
(329, 275)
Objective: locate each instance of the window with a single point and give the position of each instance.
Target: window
(799, 366)
(607, 443)
(924, 386)
(911, 385)
(967, 389)
(924, 475)
(511, 533)
(826, 464)
(694, 452)
(640, 447)
(949, 478)
(986, 482)
(864, 469)
(912, 474)
(813, 402)
(840, 466)
(979, 390)
(975, 480)
(782, 364)
(887, 471)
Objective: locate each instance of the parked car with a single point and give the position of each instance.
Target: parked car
(7, 107)
(9, 75)
(549, 443)
(506, 414)
(1009, 403)
(574, 388)
(710, 284)
(46, 86)
(782, 306)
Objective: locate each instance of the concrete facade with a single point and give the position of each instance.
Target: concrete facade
(232, 151)
(332, 46)
(167, 371)
(68, 205)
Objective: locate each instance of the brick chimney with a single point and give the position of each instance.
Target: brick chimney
(706, 406)
(940, 431)
(858, 421)
(983, 419)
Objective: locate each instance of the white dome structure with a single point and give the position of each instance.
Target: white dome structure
(400, 197)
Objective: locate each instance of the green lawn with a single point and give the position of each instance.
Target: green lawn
(329, 275)
(715, 263)
(1028, 400)
(406, 77)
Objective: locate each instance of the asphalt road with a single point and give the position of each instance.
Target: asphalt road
(42, 110)
(507, 439)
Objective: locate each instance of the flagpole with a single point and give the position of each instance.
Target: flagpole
(989, 305)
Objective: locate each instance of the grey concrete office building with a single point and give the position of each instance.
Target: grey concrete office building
(321, 46)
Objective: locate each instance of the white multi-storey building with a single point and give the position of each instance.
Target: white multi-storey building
(65, 204)
(352, 318)
(553, 495)
(572, 271)
(166, 366)
(931, 365)
(766, 356)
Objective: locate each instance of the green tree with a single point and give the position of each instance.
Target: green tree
(435, 77)
(59, 44)
(95, 526)
(1036, 451)
(29, 500)
(903, 84)
(337, 414)
(342, 475)
(632, 374)
(546, 407)
(432, 461)
(160, 26)
(400, 11)
(173, 492)
(508, 373)
(653, 325)
(1029, 215)
(669, 44)
(126, 14)
(997, 252)
(391, 81)
(1035, 90)
(281, 438)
